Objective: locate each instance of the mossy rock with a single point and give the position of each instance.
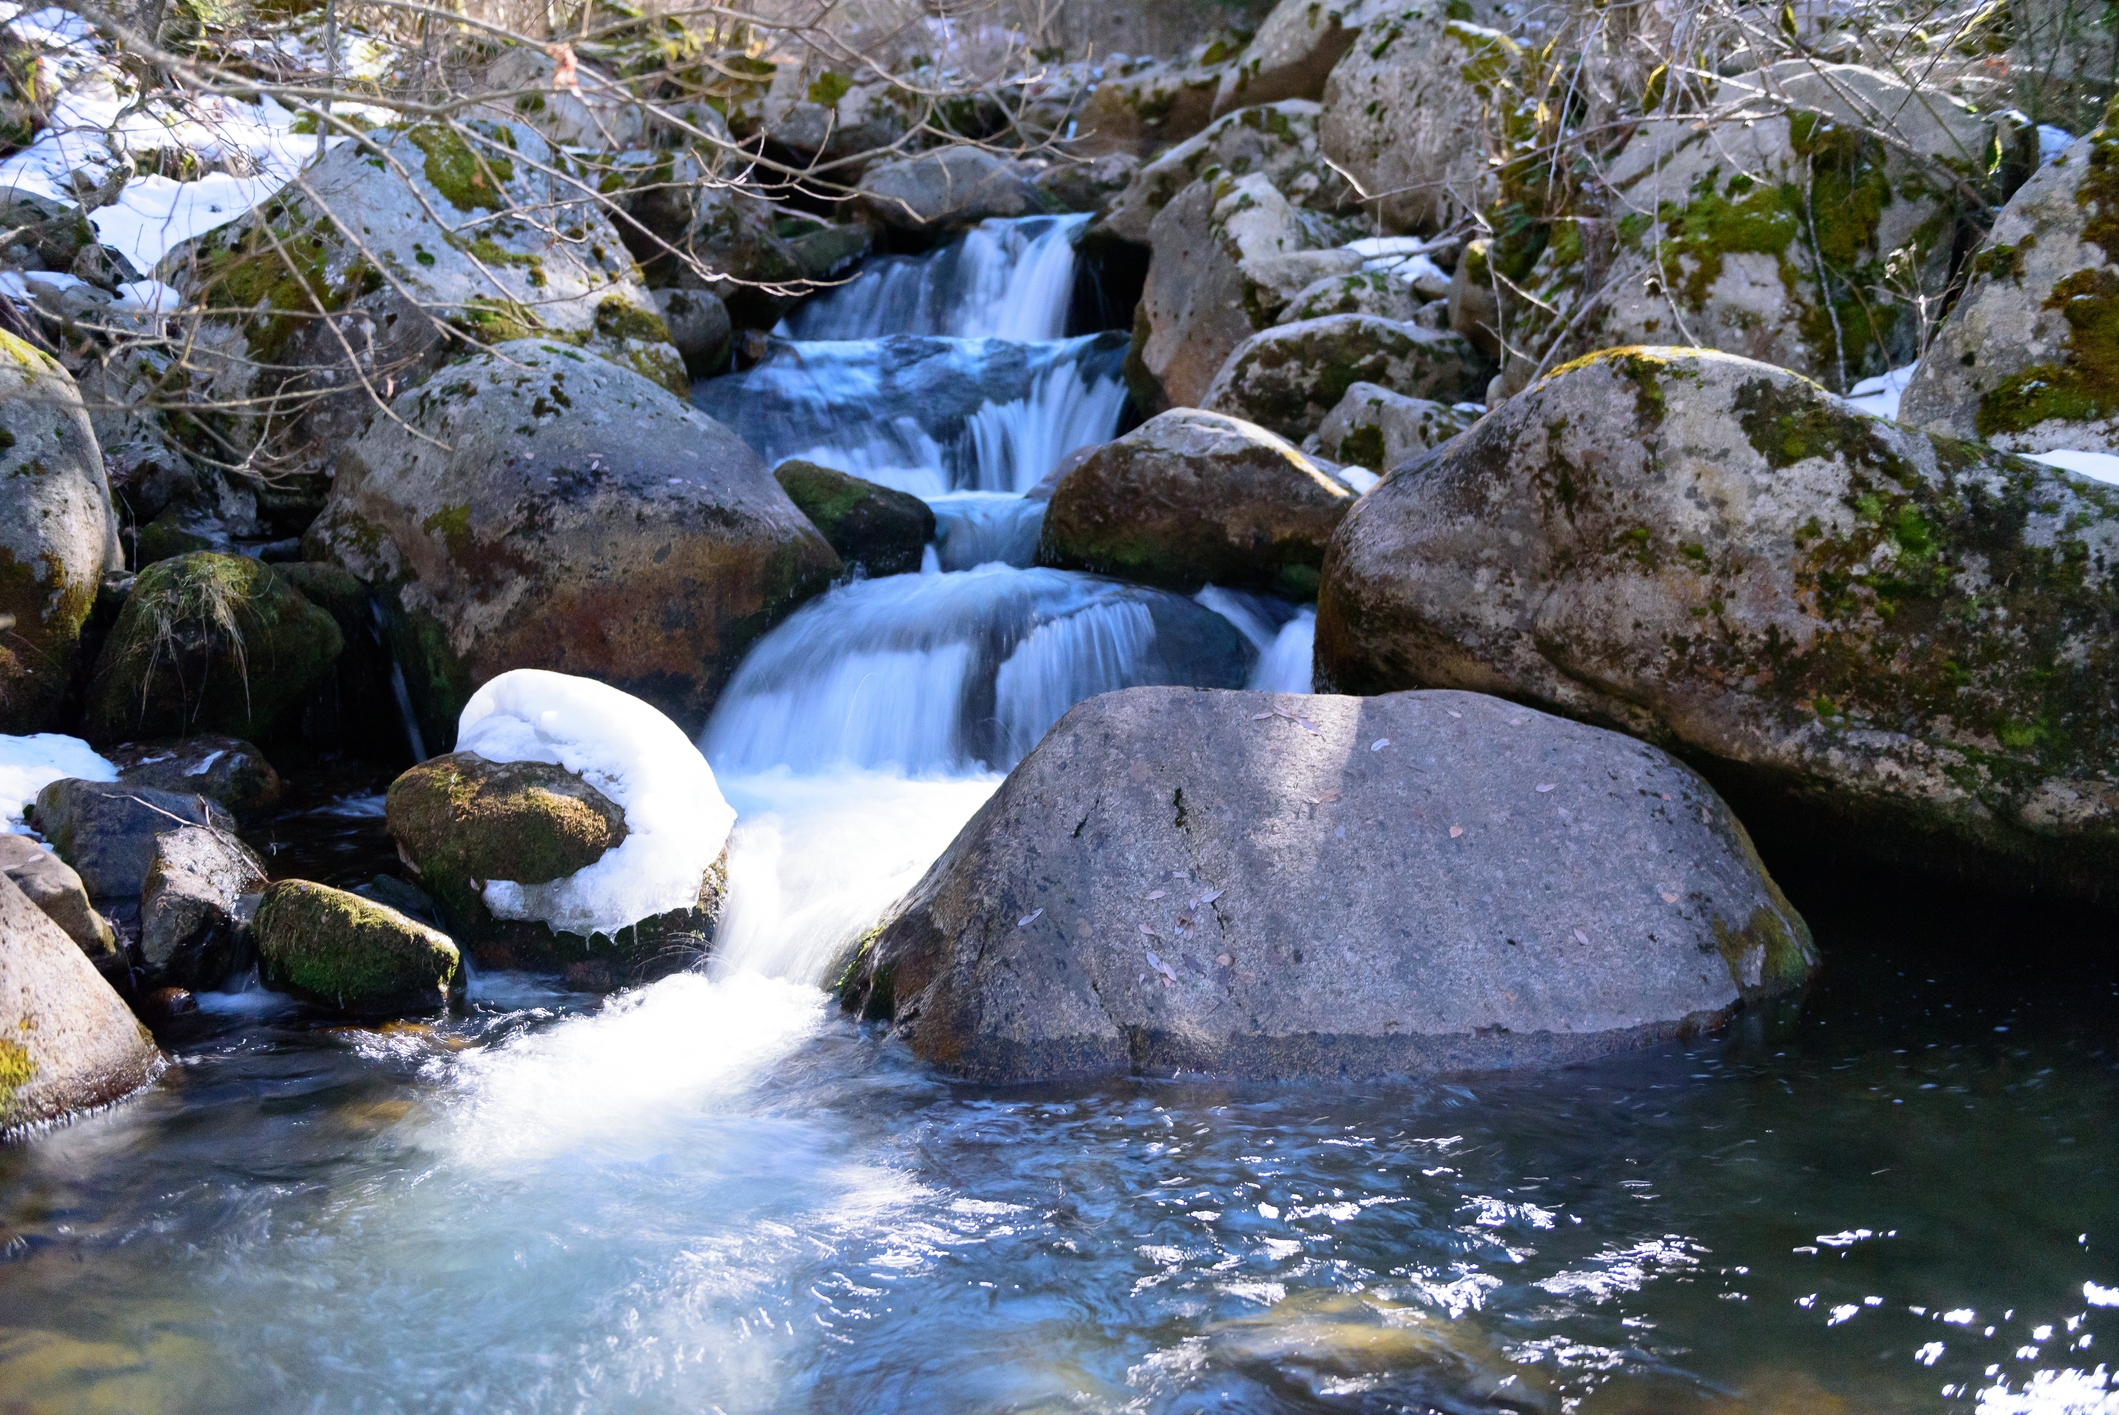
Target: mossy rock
(209, 643)
(1289, 378)
(338, 950)
(883, 531)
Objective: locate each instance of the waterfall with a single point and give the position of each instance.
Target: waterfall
(1001, 280)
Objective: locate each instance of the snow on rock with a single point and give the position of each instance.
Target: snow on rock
(1878, 397)
(675, 817)
(2102, 466)
(29, 764)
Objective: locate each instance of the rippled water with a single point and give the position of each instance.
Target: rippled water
(716, 1193)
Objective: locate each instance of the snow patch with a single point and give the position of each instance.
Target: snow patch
(676, 819)
(1878, 397)
(2052, 142)
(2100, 466)
(29, 764)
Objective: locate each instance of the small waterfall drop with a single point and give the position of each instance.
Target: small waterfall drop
(1000, 280)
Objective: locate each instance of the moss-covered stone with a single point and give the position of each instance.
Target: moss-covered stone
(338, 950)
(883, 531)
(209, 643)
(1287, 379)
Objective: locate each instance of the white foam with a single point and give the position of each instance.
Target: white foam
(29, 764)
(2101, 466)
(676, 820)
(1286, 666)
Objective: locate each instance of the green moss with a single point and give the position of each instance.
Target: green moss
(496, 321)
(617, 318)
(339, 950)
(467, 180)
(16, 1071)
(2084, 385)
(1363, 447)
(2098, 192)
(828, 88)
(1792, 421)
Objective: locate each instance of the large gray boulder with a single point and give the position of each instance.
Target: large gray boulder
(192, 908)
(67, 1041)
(1275, 885)
(1190, 499)
(1403, 111)
(1293, 52)
(1228, 256)
(1375, 428)
(566, 514)
(1277, 141)
(107, 830)
(58, 533)
(2028, 361)
(1900, 641)
(1290, 377)
(53, 886)
(948, 186)
(1149, 108)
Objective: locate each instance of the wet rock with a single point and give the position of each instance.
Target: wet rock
(1276, 885)
(699, 328)
(581, 519)
(223, 769)
(58, 533)
(1887, 639)
(1375, 428)
(192, 907)
(107, 830)
(1293, 53)
(351, 711)
(338, 950)
(1403, 111)
(949, 186)
(1228, 258)
(1190, 499)
(52, 885)
(1289, 377)
(828, 252)
(881, 530)
(165, 1003)
(2028, 361)
(706, 236)
(209, 643)
(1366, 292)
(1277, 141)
(67, 1041)
(407, 899)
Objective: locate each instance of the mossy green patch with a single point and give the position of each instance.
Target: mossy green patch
(17, 1069)
(339, 950)
(2083, 386)
(468, 180)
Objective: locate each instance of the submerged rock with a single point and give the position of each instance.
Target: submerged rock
(575, 517)
(883, 531)
(1277, 885)
(67, 1041)
(2028, 361)
(1288, 378)
(1190, 499)
(338, 950)
(209, 643)
(224, 769)
(192, 908)
(107, 830)
(1899, 641)
(58, 533)
(52, 885)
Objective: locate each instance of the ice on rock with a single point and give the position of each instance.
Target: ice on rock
(29, 764)
(2101, 466)
(676, 819)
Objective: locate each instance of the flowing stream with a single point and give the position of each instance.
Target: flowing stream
(715, 1193)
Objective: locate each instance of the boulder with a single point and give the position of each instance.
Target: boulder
(2028, 361)
(1190, 499)
(1148, 109)
(699, 328)
(1263, 884)
(107, 830)
(1293, 52)
(1090, 184)
(575, 516)
(1277, 141)
(1289, 377)
(1375, 428)
(1228, 256)
(882, 531)
(67, 1041)
(338, 950)
(58, 533)
(1880, 637)
(1364, 292)
(948, 186)
(691, 230)
(463, 241)
(1403, 111)
(51, 884)
(836, 119)
(209, 643)
(192, 908)
(1715, 233)
(592, 113)
(223, 769)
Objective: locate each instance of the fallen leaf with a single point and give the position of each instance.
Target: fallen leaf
(1666, 795)
(1262, 716)
(1669, 898)
(1225, 960)
(1379, 744)
(1326, 799)
(1581, 937)
(1452, 712)
(1161, 967)
(1455, 831)
(1545, 786)
(1157, 893)
(1210, 896)
(1028, 919)
(1148, 931)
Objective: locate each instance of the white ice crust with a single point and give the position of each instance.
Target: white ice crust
(29, 764)
(675, 817)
